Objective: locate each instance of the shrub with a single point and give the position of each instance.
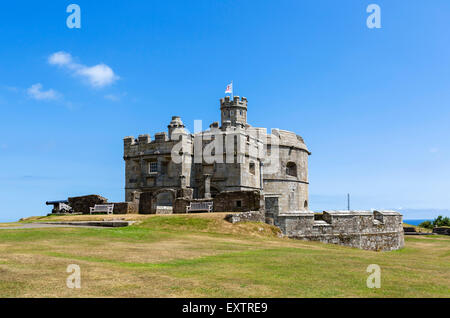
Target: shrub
(427, 225)
(439, 221)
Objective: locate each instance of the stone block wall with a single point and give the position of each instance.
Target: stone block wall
(252, 216)
(83, 203)
(125, 208)
(442, 230)
(180, 205)
(409, 229)
(378, 230)
(237, 201)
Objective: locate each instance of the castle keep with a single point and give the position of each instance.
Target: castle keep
(231, 163)
(234, 167)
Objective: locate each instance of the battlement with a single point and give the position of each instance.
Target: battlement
(129, 140)
(144, 138)
(161, 137)
(235, 102)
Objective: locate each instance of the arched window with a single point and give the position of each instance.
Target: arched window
(306, 204)
(251, 168)
(291, 169)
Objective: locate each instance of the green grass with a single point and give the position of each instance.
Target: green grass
(204, 256)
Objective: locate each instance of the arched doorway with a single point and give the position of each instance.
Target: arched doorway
(163, 202)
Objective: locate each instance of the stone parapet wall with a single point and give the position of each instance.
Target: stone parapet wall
(229, 201)
(125, 208)
(368, 241)
(252, 216)
(83, 203)
(378, 230)
(442, 230)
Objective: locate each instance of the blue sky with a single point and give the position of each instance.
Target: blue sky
(372, 104)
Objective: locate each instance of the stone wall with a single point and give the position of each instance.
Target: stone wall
(237, 201)
(180, 205)
(409, 229)
(83, 203)
(252, 216)
(442, 230)
(378, 230)
(125, 208)
(287, 181)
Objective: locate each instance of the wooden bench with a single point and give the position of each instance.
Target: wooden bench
(199, 206)
(102, 208)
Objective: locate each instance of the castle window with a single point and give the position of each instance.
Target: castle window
(153, 167)
(251, 168)
(238, 203)
(306, 204)
(240, 112)
(291, 169)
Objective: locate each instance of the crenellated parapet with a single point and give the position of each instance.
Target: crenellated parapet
(233, 102)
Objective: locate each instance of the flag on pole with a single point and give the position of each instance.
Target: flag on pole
(229, 89)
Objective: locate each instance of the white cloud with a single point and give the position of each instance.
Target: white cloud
(98, 76)
(36, 92)
(60, 58)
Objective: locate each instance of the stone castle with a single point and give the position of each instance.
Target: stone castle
(234, 167)
(222, 171)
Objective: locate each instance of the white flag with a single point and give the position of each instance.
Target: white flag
(229, 88)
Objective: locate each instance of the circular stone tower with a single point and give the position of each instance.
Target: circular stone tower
(286, 177)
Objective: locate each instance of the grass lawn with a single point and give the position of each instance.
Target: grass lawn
(203, 256)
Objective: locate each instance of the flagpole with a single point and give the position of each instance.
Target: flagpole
(232, 91)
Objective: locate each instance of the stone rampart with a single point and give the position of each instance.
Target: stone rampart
(442, 230)
(251, 216)
(83, 203)
(378, 230)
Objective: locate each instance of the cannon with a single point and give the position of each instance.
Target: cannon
(61, 206)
